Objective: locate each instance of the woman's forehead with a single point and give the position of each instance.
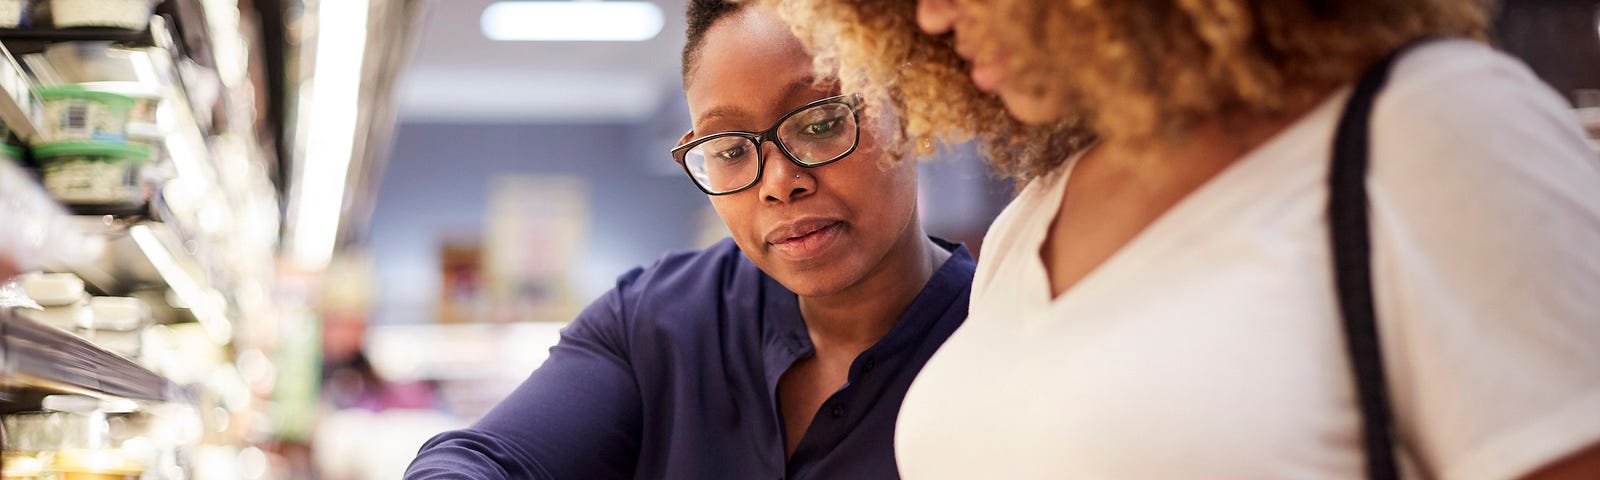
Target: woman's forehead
(749, 43)
(749, 66)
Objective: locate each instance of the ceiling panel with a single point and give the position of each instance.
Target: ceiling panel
(460, 76)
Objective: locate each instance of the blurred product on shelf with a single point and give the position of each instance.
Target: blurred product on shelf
(31, 439)
(461, 281)
(65, 305)
(128, 14)
(97, 465)
(74, 113)
(94, 173)
(78, 437)
(142, 119)
(117, 324)
(536, 227)
(53, 289)
(13, 13)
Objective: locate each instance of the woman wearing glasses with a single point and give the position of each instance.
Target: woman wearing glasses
(783, 353)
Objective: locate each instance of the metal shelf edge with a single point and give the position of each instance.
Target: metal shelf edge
(78, 34)
(40, 356)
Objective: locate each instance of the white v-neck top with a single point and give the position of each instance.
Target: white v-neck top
(1210, 345)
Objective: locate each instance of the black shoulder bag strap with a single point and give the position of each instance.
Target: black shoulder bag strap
(1347, 223)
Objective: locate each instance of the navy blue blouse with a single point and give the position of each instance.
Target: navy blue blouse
(674, 374)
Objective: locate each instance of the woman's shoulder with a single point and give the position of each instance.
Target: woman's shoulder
(1466, 83)
(1460, 112)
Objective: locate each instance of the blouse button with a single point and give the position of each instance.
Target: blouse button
(867, 367)
(837, 412)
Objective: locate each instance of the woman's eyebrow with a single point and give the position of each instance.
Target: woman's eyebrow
(798, 86)
(723, 112)
(720, 112)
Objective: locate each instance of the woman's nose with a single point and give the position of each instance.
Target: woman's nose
(783, 180)
(936, 16)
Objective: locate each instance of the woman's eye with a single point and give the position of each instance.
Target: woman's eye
(822, 128)
(733, 153)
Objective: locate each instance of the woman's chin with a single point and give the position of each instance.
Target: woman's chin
(1029, 109)
(812, 283)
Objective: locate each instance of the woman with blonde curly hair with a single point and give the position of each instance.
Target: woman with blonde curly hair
(1166, 298)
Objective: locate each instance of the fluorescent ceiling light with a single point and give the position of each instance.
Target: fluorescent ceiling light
(332, 112)
(581, 21)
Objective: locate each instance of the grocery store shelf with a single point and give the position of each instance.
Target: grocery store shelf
(141, 210)
(117, 250)
(39, 357)
(85, 34)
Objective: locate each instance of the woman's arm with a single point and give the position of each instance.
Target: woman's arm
(577, 416)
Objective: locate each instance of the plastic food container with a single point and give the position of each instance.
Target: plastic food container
(145, 98)
(52, 289)
(14, 13)
(129, 14)
(117, 325)
(74, 113)
(94, 173)
(64, 317)
(61, 294)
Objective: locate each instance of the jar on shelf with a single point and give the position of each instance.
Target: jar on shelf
(31, 439)
(87, 449)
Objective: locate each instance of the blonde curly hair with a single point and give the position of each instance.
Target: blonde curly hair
(1132, 70)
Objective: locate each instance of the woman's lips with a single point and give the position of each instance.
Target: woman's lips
(986, 72)
(987, 76)
(808, 243)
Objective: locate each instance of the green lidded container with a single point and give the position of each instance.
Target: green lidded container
(93, 173)
(74, 113)
(11, 152)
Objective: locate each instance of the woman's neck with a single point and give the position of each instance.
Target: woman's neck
(862, 313)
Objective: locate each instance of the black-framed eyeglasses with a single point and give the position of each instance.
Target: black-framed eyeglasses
(816, 134)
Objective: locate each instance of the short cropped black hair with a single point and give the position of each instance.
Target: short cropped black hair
(700, 15)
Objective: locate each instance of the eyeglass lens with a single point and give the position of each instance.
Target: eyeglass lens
(816, 135)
